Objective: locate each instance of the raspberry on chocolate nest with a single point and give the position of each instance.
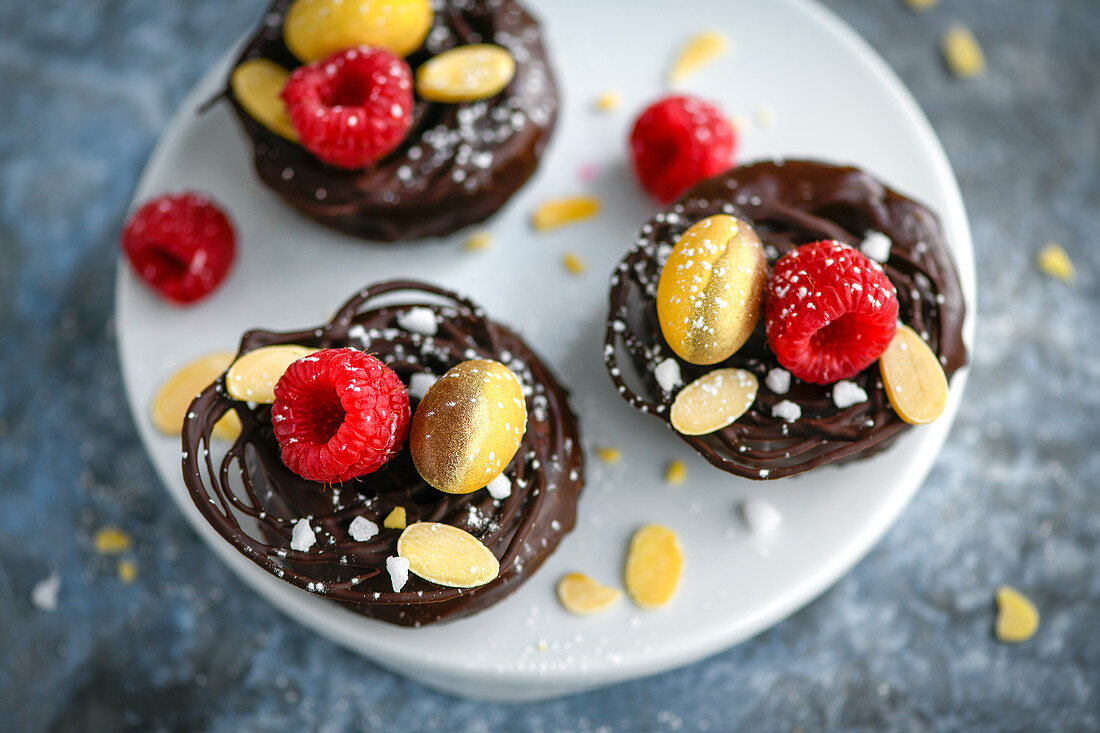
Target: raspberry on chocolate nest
(339, 414)
(829, 312)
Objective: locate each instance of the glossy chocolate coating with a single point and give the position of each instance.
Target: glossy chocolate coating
(253, 500)
(458, 164)
(789, 203)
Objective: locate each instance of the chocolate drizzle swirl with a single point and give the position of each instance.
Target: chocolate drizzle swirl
(253, 501)
(458, 164)
(789, 203)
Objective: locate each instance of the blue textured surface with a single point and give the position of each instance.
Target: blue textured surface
(903, 642)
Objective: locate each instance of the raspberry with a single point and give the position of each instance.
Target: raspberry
(829, 311)
(677, 142)
(338, 414)
(353, 107)
(181, 245)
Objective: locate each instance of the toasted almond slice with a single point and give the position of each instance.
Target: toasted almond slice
(713, 401)
(573, 263)
(1017, 617)
(560, 212)
(127, 571)
(446, 555)
(396, 519)
(699, 51)
(466, 73)
(913, 377)
(653, 566)
(1054, 261)
(252, 378)
(111, 541)
(676, 473)
(257, 84)
(963, 54)
(609, 455)
(478, 241)
(584, 596)
(175, 395)
(608, 101)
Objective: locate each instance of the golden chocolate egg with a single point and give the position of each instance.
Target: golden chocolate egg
(314, 29)
(711, 288)
(468, 426)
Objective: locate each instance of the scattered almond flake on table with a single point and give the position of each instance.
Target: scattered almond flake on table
(362, 529)
(700, 50)
(584, 596)
(668, 374)
(396, 519)
(127, 571)
(1017, 617)
(676, 473)
(1054, 261)
(653, 566)
(740, 123)
(398, 568)
(847, 393)
(778, 380)
(573, 263)
(921, 5)
(876, 246)
(761, 517)
(478, 241)
(609, 455)
(44, 593)
(608, 101)
(765, 116)
(787, 410)
(420, 383)
(111, 541)
(962, 52)
(302, 537)
(500, 488)
(419, 320)
(564, 211)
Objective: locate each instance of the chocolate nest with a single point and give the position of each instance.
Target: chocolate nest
(458, 164)
(788, 203)
(253, 500)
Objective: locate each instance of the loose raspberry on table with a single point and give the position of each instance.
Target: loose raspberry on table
(829, 312)
(339, 414)
(182, 245)
(351, 108)
(677, 142)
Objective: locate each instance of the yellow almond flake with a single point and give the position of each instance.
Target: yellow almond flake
(1017, 617)
(478, 241)
(560, 212)
(175, 395)
(127, 572)
(395, 519)
(111, 541)
(913, 377)
(542, 646)
(765, 116)
(257, 85)
(1054, 261)
(921, 5)
(713, 401)
(608, 101)
(653, 565)
(739, 123)
(584, 596)
(609, 455)
(573, 263)
(699, 51)
(446, 555)
(676, 473)
(963, 54)
(252, 377)
(466, 73)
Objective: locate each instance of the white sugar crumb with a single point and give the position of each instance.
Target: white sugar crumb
(778, 380)
(876, 245)
(44, 593)
(362, 529)
(398, 568)
(760, 517)
(787, 410)
(302, 537)
(419, 320)
(420, 383)
(847, 393)
(500, 487)
(668, 374)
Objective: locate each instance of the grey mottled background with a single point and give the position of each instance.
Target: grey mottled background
(904, 642)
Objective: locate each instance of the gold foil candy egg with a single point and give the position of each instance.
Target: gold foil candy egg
(468, 426)
(711, 288)
(314, 29)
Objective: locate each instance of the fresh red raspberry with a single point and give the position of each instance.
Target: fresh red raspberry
(182, 245)
(353, 107)
(338, 414)
(677, 142)
(829, 311)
